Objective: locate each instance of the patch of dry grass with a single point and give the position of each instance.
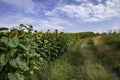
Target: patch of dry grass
(94, 69)
(104, 49)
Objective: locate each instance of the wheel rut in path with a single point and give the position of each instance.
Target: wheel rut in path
(93, 68)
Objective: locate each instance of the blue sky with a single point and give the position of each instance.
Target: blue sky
(64, 15)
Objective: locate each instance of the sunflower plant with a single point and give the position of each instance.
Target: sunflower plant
(18, 55)
(24, 53)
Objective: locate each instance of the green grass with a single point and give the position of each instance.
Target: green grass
(87, 59)
(78, 63)
(69, 66)
(108, 51)
(94, 69)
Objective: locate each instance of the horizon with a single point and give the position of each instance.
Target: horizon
(64, 15)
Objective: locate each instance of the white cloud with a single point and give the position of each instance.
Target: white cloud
(18, 18)
(53, 23)
(89, 12)
(27, 5)
(51, 13)
(8, 25)
(39, 24)
(44, 25)
(75, 11)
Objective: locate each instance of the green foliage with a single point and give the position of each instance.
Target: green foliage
(3, 60)
(112, 40)
(12, 42)
(19, 64)
(24, 53)
(15, 76)
(108, 50)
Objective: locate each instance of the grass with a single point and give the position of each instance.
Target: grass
(94, 69)
(108, 53)
(69, 66)
(79, 63)
(63, 67)
(87, 59)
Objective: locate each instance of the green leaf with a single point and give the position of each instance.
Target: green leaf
(13, 42)
(12, 52)
(22, 46)
(15, 76)
(23, 66)
(3, 60)
(12, 76)
(4, 39)
(19, 64)
(19, 76)
(13, 63)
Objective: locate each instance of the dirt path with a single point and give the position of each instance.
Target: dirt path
(94, 69)
(79, 63)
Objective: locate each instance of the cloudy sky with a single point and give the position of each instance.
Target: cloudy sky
(65, 15)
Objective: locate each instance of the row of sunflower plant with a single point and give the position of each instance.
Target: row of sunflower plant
(23, 53)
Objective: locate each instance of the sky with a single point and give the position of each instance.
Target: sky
(64, 15)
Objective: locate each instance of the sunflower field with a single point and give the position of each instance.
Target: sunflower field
(24, 52)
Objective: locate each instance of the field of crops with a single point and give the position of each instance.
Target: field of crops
(26, 54)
